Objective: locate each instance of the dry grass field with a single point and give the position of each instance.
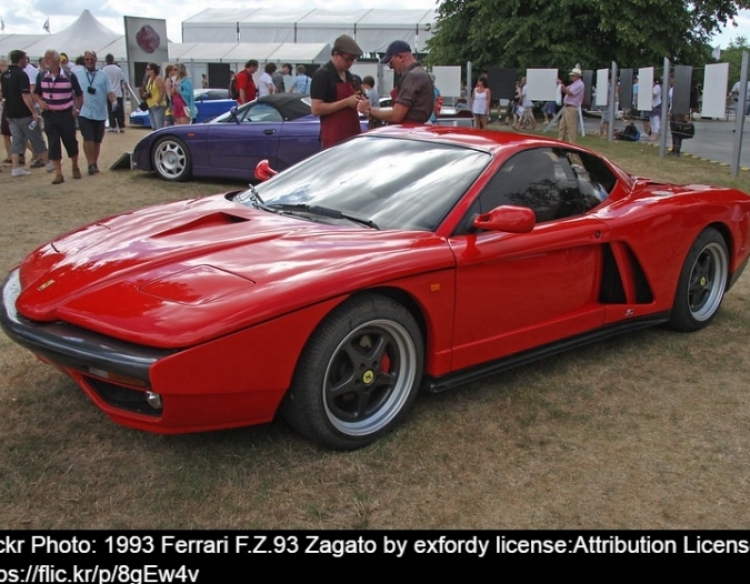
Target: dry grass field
(647, 430)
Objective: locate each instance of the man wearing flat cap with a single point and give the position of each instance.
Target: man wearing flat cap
(415, 101)
(571, 104)
(332, 94)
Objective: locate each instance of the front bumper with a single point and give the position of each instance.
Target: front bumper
(73, 347)
(208, 387)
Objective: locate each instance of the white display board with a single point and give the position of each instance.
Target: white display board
(448, 81)
(602, 86)
(645, 89)
(541, 84)
(715, 83)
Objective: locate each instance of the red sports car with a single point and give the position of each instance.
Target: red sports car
(404, 258)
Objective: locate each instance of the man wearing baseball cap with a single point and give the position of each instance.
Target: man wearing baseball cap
(332, 95)
(571, 104)
(415, 101)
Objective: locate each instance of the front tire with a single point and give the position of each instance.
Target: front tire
(358, 374)
(171, 159)
(702, 283)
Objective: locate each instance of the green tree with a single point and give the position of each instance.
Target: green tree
(540, 33)
(733, 55)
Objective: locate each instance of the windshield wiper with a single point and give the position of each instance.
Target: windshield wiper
(258, 202)
(323, 212)
(362, 220)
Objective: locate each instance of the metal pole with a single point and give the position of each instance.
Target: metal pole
(740, 121)
(664, 108)
(580, 121)
(611, 104)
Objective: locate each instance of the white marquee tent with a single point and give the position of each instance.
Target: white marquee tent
(232, 36)
(85, 34)
(373, 29)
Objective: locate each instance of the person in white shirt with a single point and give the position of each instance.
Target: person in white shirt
(118, 84)
(480, 103)
(265, 85)
(735, 95)
(655, 111)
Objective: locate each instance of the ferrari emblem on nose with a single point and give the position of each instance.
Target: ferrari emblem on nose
(47, 284)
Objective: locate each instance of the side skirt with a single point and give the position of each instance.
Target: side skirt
(438, 384)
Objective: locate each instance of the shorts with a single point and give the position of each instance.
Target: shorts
(20, 131)
(91, 130)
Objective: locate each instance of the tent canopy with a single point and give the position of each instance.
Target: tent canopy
(85, 34)
(373, 29)
(236, 35)
(240, 52)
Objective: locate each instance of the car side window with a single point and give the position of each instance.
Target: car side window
(533, 178)
(594, 179)
(262, 112)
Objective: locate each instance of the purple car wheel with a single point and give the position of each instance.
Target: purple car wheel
(171, 159)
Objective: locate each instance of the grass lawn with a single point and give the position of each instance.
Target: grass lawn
(647, 430)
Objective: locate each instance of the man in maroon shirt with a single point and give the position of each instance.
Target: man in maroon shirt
(332, 95)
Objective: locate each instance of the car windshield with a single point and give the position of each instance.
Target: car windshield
(392, 183)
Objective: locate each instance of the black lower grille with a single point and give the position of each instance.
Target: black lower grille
(133, 400)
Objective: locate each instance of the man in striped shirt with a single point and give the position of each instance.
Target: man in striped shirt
(59, 96)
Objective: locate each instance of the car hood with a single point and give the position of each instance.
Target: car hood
(179, 274)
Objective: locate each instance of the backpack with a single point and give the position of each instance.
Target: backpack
(234, 93)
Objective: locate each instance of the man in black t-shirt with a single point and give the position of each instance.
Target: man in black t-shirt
(22, 117)
(332, 94)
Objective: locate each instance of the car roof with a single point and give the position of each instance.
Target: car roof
(290, 105)
(502, 145)
(489, 140)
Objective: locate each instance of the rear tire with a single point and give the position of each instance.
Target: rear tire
(702, 283)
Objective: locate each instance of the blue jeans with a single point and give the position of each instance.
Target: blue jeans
(156, 116)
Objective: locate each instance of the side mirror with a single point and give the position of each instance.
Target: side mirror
(263, 171)
(507, 218)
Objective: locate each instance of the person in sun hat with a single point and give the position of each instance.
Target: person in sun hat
(571, 104)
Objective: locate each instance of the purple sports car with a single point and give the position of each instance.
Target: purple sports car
(279, 128)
